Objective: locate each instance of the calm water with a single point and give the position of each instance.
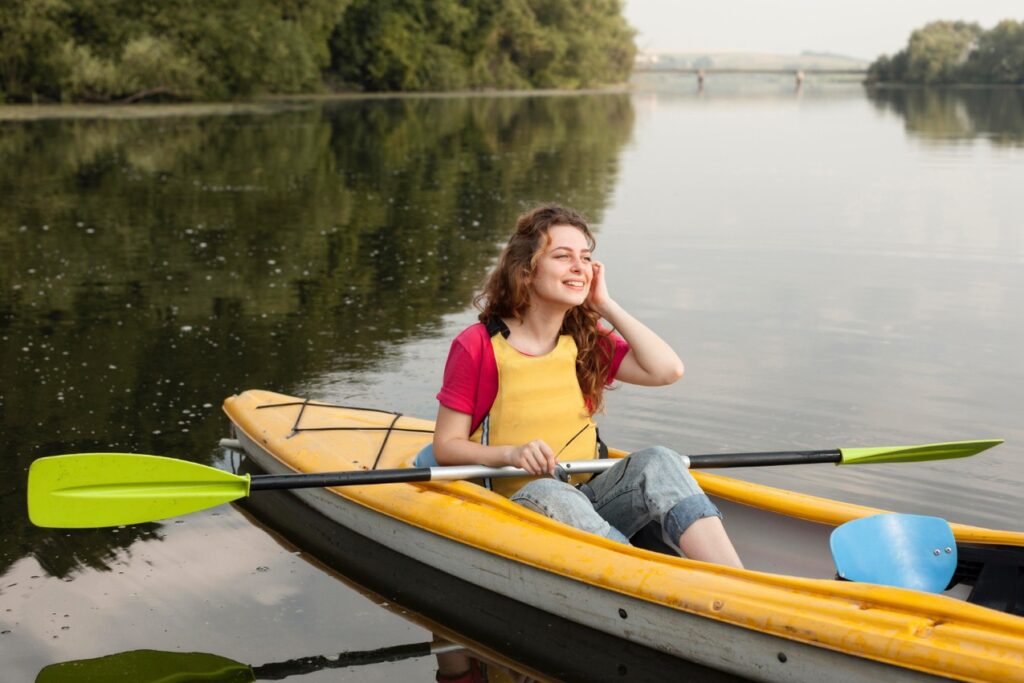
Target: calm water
(836, 268)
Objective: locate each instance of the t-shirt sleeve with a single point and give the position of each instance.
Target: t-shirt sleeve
(461, 379)
(618, 353)
(470, 375)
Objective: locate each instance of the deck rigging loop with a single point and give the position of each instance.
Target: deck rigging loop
(296, 428)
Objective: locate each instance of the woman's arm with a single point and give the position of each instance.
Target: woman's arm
(452, 446)
(650, 361)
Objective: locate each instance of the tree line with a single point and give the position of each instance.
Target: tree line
(129, 50)
(945, 52)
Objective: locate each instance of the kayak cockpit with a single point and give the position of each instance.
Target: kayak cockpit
(995, 574)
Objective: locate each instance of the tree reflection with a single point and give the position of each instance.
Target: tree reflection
(956, 114)
(154, 267)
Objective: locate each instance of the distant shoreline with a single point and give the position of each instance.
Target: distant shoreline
(272, 104)
(265, 104)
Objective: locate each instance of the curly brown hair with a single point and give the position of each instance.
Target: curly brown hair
(506, 294)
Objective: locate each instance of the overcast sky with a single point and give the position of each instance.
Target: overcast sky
(858, 28)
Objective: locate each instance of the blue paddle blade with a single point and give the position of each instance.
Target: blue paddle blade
(907, 551)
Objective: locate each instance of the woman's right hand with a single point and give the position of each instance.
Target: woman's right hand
(535, 457)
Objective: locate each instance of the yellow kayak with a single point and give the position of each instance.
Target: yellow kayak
(757, 624)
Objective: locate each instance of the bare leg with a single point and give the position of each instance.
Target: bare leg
(707, 541)
(452, 665)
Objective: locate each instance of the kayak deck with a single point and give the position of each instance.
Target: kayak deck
(916, 631)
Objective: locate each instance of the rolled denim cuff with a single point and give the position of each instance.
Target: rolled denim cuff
(686, 512)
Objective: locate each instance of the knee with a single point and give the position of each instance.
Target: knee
(657, 457)
(666, 478)
(654, 452)
(544, 487)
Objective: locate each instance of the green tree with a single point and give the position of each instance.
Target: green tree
(402, 45)
(999, 56)
(880, 70)
(31, 34)
(105, 50)
(100, 50)
(956, 52)
(936, 53)
(440, 45)
(237, 47)
(598, 44)
(247, 47)
(887, 69)
(146, 66)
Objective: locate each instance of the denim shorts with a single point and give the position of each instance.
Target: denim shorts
(648, 491)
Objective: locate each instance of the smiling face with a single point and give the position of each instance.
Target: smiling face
(563, 271)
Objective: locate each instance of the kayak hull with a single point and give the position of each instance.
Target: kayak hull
(715, 644)
(760, 626)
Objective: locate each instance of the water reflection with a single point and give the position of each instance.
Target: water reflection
(154, 267)
(156, 666)
(502, 632)
(941, 114)
(141, 666)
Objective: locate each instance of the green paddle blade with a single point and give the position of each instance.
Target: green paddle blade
(149, 666)
(110, 489)
(933, 451)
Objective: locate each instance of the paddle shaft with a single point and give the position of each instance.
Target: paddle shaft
(269, 482)
(266, 482)
(720, 460)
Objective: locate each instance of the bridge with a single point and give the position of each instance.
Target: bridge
(702, 72)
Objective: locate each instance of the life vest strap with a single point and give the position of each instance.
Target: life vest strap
(496, 325)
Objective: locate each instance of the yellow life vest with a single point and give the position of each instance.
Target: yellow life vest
(539, 397)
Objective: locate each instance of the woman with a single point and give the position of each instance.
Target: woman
(520, 388)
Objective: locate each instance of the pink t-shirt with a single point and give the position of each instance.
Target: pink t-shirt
(470, 382)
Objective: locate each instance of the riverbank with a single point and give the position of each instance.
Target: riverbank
(266, 104)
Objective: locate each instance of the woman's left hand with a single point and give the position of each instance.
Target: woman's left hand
(599, 299)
